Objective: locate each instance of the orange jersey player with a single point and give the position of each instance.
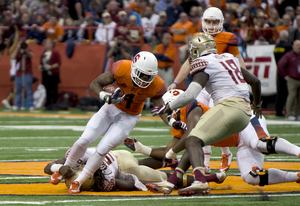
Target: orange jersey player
(118, 116)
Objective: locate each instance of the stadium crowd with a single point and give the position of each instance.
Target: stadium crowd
(124, 25)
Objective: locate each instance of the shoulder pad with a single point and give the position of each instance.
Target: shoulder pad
(198, 65)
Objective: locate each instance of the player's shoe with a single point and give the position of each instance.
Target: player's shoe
(74, 188)
(207, 170)
(160, 187)
(298, 180)
(173, 164)
(225, 162)
(221, 176)
(195, 188)
(56, 178)
(128, 142)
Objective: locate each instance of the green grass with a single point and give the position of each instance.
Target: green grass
(39, 144)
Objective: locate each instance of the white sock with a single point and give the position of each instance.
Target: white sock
(76, 153)
(140, 148)
(207, 152)
(283, 146)
(225, 150)
(278, 176)
(94, 162)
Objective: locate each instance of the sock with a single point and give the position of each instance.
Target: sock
(207, 152)
(212, 178)
(140, 148)
(225, 150)
(278, 176)
(283, 146)
(199, 174)
(176, 176)
(94, 162)
(74, 155)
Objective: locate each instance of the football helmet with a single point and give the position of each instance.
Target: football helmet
(87, 185)
(171, 95)
(212, 13)
(143, 69)
(202, 44)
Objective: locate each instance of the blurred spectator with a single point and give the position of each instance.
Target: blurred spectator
(25, 20)
(23, 57)
(282, 4)
(50, 62)
(165, 54)
(36, 34)
(22, 10)
(139, 6)
(129, 12)
(86, 34)
(249, 5)
(105, 2)
(229, 19)
(296, 14)
(290, 11)
(76, 10)
(113, 9)
(95, 7)
(65, 14)
(244, 31)
(188, 4)
(34, 5)
(44, 9)
(161, 27)
(70, 33)
(197, 25)
(119, 51)
(247, 13)
(221, 4)
(286, 24)
(281, 48)
(262, 34)
(134, 35)
(274, 20)
(148, 23)
(195, 11)
(294, 33)
(180, 28)
(15, 8)
(53, 29)
(173, 12)
(106, 29)
(121, 29)
(161, 5)
(289, 68)
(53, 10)
(233, 4)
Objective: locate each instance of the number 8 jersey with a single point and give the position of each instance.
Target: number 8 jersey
(225, 76)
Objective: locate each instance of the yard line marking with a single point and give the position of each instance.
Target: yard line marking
(147, 199)
(17, 178)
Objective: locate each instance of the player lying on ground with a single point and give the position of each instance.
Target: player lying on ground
(120, 170)
(252, 143)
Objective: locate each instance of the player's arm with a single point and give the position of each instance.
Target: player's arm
(182, 74)
(255, 84)
(192, 120)
(160, 101)
(125, 185)
(241, 60)
(58, 162)
(102, 80)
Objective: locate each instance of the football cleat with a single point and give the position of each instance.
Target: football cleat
(128, 142)
(56, 178)
(160, 187)
(75, 188)
(298, 180)
(225, 162)
(221, 176)
(195, 188)
(173, 163)
(207, 170)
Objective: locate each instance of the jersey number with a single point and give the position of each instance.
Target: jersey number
(233, 71)
(128, 98)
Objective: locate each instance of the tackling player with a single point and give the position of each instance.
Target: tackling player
(118, 116)
(227, 84)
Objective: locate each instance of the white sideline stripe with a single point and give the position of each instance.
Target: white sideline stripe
(19, 178)
(274, 122)
(74, 128)
(145, 199)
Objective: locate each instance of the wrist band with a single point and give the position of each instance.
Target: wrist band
(175, 83)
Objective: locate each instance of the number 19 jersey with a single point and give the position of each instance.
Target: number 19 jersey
(225, 76)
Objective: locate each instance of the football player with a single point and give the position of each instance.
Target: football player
(227, 84)
(118, 116)
(120, 170)
(226, 42)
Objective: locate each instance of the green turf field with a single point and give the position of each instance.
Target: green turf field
(42, 138)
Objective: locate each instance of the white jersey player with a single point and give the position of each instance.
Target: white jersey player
(226, 82)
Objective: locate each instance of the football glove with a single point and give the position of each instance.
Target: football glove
(160, 109)
(179, 125)
(114, 98)
(257, 110)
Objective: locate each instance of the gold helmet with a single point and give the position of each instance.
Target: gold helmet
(87, 185)
(202, 44)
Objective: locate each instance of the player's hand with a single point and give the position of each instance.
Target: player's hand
(257, 110)
(114, 98)
(65, 171)
(160, 109)
(172, 86)
(179, 125)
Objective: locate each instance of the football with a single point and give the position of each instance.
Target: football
(111, 88)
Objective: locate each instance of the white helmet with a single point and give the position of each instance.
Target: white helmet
(143, 69)
(212, 13)
(171, 95)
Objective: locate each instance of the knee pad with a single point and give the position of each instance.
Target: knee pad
(263, 176)
(82, 142)
(267, 145)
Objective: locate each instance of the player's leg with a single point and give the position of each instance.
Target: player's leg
(226, 159)
(207, 152)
